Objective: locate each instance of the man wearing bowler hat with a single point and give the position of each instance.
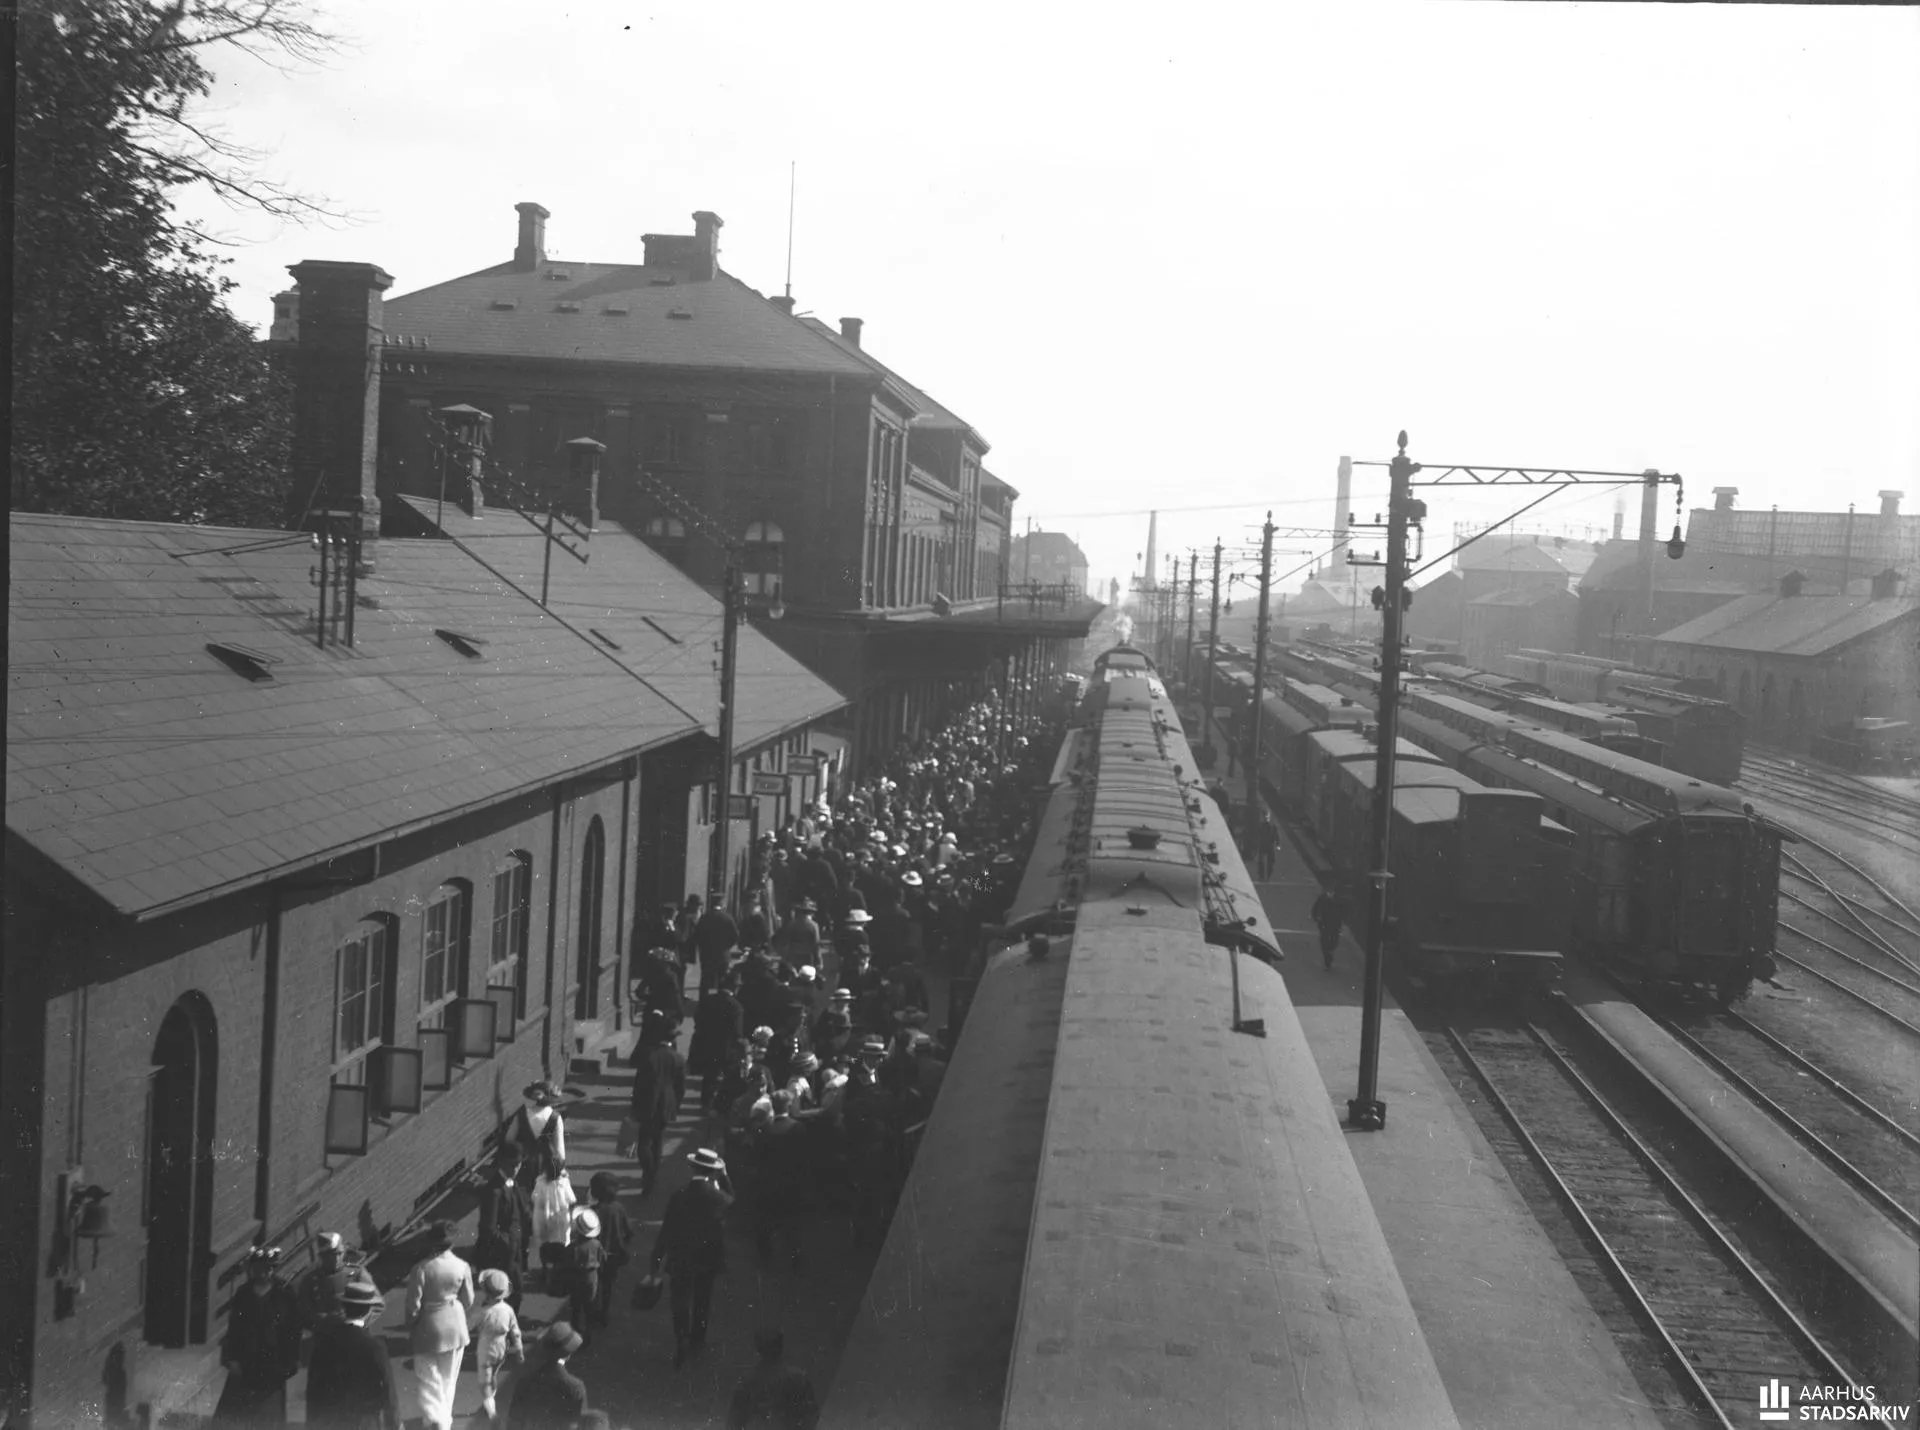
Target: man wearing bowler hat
(350, 1382)
(550, 1397)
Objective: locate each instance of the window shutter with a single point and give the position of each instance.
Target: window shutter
(436, 1059)
(347, 1120)
(503, 996)
(396, 1077)
(476, 1025)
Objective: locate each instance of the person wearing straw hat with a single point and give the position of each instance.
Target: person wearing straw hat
(549, 1396)
(261, 1351)
(439, 1295)
(350, 1383)
(586, 1260)
(692, 1244)
(538, 1134)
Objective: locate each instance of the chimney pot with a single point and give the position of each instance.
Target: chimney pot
(1890, 503)
(784, 302)
(1791, 583)
(850, 329)
(1723, 498)
(531, 251)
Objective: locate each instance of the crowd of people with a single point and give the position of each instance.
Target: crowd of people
(814, 1063)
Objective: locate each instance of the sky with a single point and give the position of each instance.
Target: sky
(1188, 257)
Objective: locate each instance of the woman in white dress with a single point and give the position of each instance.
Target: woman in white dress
(439, 1295)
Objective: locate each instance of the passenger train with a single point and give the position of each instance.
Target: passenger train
(1105, 1222)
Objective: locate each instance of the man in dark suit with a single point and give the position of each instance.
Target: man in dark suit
(350, 1382)
(659, 1084)
(693, 1245)
(550, 1397)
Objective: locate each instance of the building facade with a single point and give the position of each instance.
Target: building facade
(305, 883)
(836, 484)
(1049, 558)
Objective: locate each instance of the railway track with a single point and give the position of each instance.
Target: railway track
(1722, 1327)
(1840, 1126)
(1844, 798)
(1869, 966)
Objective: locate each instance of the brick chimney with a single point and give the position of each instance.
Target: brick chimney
(531, 250)
(1890, 503)
(1723, 498)
(1791, 583)
(336, 391)
(1886, 585)
(286, 317)
(706, 244)
(784, 302)
(850, 329)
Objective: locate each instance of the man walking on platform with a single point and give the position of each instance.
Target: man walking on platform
(1329, 913)
(1267, 842)
(692, 1244)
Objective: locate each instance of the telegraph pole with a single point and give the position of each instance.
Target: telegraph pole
(1193, 590)
(1254, 804)
(732, 598)
(1365, 1110)
(1213, 643)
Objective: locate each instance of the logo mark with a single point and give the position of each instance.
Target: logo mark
(1773, 1400)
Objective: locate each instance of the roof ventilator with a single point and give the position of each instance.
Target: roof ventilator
(559, 275)
(503, 305)
(466, 645)
(662, 629)
(566, 307)
(237, 658)
(606, 640)
(682, 313)
(617, 310)
(1142, 837)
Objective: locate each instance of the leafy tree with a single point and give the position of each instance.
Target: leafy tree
(137, 394)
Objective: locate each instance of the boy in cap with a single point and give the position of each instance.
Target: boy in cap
(496, 1339)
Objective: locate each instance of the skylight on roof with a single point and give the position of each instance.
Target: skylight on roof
(661, 280)
(662, 629)
(469, 646)
(617, 310)
(566, 307)
(237, 658)
(559, 275)
(504, 305)
(679, 313)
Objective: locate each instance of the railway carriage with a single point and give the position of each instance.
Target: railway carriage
(1702, 737)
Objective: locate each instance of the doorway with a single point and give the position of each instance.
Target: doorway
(179, 1200)
(593, 871)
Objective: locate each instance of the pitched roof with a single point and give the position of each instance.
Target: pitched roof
(1530, 554)
(1791, 625)
(155, 774)
(1520, 598)
(1617, 567)
(923, 405)
(667, 626)
(621, 313)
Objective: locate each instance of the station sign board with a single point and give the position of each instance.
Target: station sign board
(803, 764)
(739, 806)
(765, 784)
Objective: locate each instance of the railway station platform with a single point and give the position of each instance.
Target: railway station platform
(1516, 1342)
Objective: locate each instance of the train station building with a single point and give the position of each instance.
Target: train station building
(306, 883)
(852, 495)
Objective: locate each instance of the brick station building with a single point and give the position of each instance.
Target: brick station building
(289, 926)
(855, 495)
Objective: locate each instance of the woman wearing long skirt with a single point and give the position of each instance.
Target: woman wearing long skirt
(439, 1295)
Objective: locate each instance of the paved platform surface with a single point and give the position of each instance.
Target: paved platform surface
(1515, 1339)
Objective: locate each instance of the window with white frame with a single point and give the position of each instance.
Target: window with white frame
(443, 951)
(362, 998)
(510, 927)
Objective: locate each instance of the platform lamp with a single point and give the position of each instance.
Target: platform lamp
(734, 605)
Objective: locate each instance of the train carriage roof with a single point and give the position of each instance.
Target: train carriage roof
(1686, 794)
(1560, 790)
(1431, 794)
(1347, 745)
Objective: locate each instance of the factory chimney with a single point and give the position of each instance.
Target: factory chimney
(1153, 552)
(1619, 518)
(1342, 516)
(1723, 498)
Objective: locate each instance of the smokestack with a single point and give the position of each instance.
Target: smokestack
(336, 391)
(1890, 503)
(850, 329)
(1649, 523)
(1723, 498)
(1342, 512)
(1153, 543)
(1619, 520)
(531, 251)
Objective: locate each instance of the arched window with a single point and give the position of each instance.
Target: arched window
(668, 536)
(510, 926)
(593, 883)
(176, 1204)
(443, 950)
(761, 561)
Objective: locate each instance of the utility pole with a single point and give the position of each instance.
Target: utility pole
(732, 598)
(1365, 1110)
(1213, 643)
(1254, 803)
(1193, 568)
